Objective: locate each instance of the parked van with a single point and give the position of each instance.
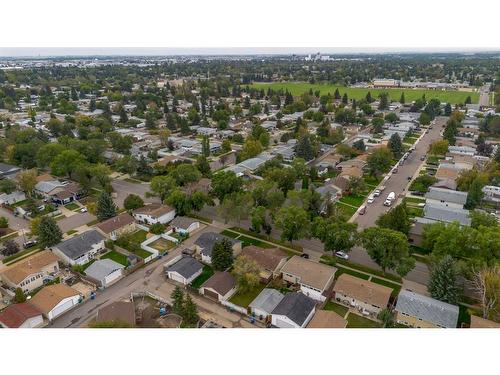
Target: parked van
(390, 198)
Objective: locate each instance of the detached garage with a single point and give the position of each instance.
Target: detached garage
(184, 271)
(55, 300)
(105, 272)
(220, 287)
(295, 310)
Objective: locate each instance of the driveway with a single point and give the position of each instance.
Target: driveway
(124, 188)
(75, 221)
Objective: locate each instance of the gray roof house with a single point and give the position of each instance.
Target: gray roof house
(264, 304)
(8, 170)
(295, 310)
(446, 195)
(206, 241)
(427, 311)
(185, 270)
(443, 212)
(80, 249)
(105, 272)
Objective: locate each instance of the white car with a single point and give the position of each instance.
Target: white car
(376, 193)
(371, 199)
(84, 209)
(341, 254)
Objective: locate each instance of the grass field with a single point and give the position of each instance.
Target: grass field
(298, 88)
(117, 257)
(356, 321)
(244, 299)
(205, 275)
(339, 309)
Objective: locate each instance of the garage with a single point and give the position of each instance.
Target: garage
(61, 308)
(110, 279)
(211, 294)
(280, 323)
(176, 277)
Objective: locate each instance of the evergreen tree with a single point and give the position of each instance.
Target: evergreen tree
(447, 109)
(475, 194)
(305, 149)
(19, 296)
(106, 208)
(369, 98)
(222, 255)
(336, 95)
(205, 146)
(402, 99)
(443, 281)
(190, 315)
(395, 145)
(345, 98)
(177, 297)
(49, 233)
(384, 101)
(468, 100)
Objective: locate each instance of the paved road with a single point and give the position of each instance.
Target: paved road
(75, 221)
(484, 96)
(15, 222)
(124, 188)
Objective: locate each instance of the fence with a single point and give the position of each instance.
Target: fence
(237, 308)
(151, 295)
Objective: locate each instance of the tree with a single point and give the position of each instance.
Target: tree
(424, 119)
(205, 146)
(480, 218)
(177, 298)
(379, 161)
(284, 177)
(447, 109)
(293, 222)
(258, 218)
(402, 98)
(439, 147)
(443, 281)
(7, 186)
(157, 228)
(27, 181)
(203, 166)
(391, 117)
(222, 255)
(389, 249)
(106, 208)
(4, 222)
(10, 248)
(162, 186)
(225, 183)
(305, 149)
(251, 148)
(247, 273)
(396, 219)
(133, 202)
(67, 162)
(386, 316)
(19, 296)
(378, 123)
(185, 174)
(356, 185)
(335, 233)
(48, 231)
(180, 201)
(384, 101)
(395, 145)
(475, 194)
(486, 283)
(190, 316)
(236, 206)
(359, 145)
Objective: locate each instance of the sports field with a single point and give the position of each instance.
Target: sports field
(298, 88)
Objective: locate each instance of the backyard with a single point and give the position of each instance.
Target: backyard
(206, 273)
(162, 245)
(339, 309)
(117, 257)
(132, 242)
(244, 299)
(356, 321)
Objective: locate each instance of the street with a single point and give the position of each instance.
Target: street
(123, 188)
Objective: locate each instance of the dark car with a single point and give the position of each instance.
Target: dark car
(304, 255)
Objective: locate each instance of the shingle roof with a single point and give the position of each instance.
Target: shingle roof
(221, 282)
(363, 290)
(15, 315)
(207, 240)
(115, 223)
(186, 267)
(267, 300)
(427, 309)
(296, 306)
(446, 195)
(327, 319)
(443, 212)
(29, 265)
(268, 259)
(77, 246)
(154, 209)
(316, 275)
(48, 297)
(182, 222)
(102, 268)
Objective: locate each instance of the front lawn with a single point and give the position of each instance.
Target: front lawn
(350, 272)
(353, 200)
(206, 273)
(117, 257)
(244, 299)
(356, 321)
(339, 309)
(72, 206)
(19, 254)
(347, 210)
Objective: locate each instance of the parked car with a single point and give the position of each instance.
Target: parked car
(304, 255)
(371, 199)
(408, 178)
(395, 170)
(422, 158)
(29, 244)
(362, 210)
(84, 209)
(341, 254)
(377, 193)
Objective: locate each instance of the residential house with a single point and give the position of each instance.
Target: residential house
(185, 270)
(220, 287)
(184, 225)
(8, 170)
(117, 312)
(314, 278)
(154, 213)
(438, 211)
(14, 197)
(117, 226)
(417, 310)
(59, 192)
(440, 195)
(491, 193)
(205, 242)
(327, 319)
(21, 315)
(80, 249)
(462, 150)
(264, 304)
(105, 272)
(369, 298)
(29, 273)
(295, 310)
(54, 300)
(270, 261)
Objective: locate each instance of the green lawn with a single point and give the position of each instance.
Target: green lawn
(139, 236)
(413, 200)
(415, 211)
(72, 206)
(141, 253)
(347, 210)
(337, 262)
(264, 237)
(419, 250)
(205, 275)
(395, 287)
(299, 88)
(352, 273)
(356, 321)
(70, 232)
(22, 253)
(339, 309)
(246, 240)
(353, 200)
(117, 257)
(371, 181)
(244, 299)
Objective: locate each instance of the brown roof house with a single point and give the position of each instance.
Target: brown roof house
(369, 298)
(314, 278)
(327, 319)
(220, 287)
(154, 213)
(270, 260)
(21, 315)
(117, 312)
(54, 300)
(28, 274)
(117, 226)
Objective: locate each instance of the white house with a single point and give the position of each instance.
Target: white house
(185, 270)
(55, 300)
(491, 193)
(154, 213)
(184, 224)
(80, 249)
(295, 310)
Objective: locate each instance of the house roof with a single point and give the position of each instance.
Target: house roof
(268, 259)
(327, 319)
(478, 322)
(428, 309)
(316, 275)
(446, 195)
(154, 209)
(186, 267)
(115, 223)
(443, 212)
(295, 306)
(267, 300)
(445, 172)
(29, 265)
(47, 186)
(221, 282)
(342, 182)
(15, 315)
(182, 222)
(76, 246)
(119, 311)
(102, 268)
(48, 297)
(351, 172)
(8, 168)
(363, 290)
(207, 240)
